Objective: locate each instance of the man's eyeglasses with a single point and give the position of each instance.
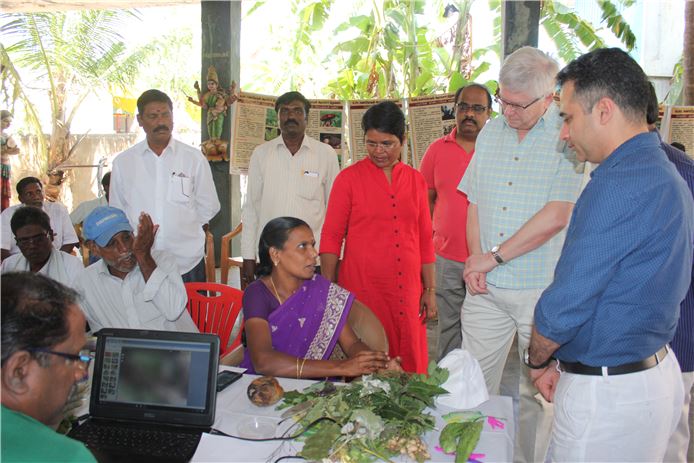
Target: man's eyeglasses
(476, 108)
(84, 356)
(284, 111)
(386, 145)
(35, 239)
(517, 106)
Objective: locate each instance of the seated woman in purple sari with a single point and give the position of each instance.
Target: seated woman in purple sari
(294, 317)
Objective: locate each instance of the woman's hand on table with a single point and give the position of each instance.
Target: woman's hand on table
(394, 364)
(365, 362)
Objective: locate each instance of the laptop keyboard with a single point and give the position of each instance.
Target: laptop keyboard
(136, 440)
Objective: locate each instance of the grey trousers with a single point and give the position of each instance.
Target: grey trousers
(450, 294)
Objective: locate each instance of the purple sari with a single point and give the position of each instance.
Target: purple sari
(309, 323)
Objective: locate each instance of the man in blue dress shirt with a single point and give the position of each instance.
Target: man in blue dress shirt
(624, 269)
(681, 446)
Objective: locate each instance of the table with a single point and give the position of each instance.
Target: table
(236, 415)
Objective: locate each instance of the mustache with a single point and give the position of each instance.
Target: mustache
(291, 121)
(469, 119)
(161, 127)
(126, 256)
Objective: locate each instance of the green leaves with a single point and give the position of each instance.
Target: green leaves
(369, 419)
(461, 437)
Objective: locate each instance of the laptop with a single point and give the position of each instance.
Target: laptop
(153, 395)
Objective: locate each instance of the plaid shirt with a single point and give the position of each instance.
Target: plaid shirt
(510, 182)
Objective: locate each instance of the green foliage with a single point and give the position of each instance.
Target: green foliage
(72, 54)
(367, 420)
(390, 54)
(462, 436)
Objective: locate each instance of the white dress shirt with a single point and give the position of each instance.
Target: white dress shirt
(60, 223)
(61, 266)
(85, 208)
(158, 304)
(175, 188)
(280, 184)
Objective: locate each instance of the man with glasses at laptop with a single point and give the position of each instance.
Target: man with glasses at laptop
(43, 356)
(131, 286)
(521, 185)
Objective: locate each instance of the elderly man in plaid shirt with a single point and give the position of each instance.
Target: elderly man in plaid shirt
(522, 185)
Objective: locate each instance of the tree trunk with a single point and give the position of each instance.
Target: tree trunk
(688, 52)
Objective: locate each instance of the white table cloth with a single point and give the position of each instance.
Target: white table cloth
(236, 415)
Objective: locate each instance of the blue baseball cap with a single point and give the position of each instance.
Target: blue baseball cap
(103, 223)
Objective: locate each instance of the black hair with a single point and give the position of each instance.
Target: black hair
(612, 73)
(385, 117)
(151, 96)
(679, 146)
(652, 111)
(274, 235)
(106, 179)
(288, 98)
(29, 215)
(475, 85)
(34, 312)
(25, 182)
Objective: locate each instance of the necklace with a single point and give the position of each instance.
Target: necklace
(277, 295)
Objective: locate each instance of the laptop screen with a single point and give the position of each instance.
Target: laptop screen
(154, 375)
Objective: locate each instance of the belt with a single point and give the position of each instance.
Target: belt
(645, 364)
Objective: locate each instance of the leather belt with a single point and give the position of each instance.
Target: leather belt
(645, 364)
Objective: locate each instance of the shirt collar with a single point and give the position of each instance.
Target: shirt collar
(638, 142)
(147, 149)
(450, 138)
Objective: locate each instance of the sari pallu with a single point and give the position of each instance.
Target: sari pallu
(309, 323)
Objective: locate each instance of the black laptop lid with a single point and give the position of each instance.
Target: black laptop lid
(162, 377)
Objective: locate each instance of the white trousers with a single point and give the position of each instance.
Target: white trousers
(621, 418)
(681, 438)
(489, 323)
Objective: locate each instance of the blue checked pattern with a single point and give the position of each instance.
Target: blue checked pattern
(510, 182)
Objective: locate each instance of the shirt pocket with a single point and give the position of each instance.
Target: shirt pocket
(309, 186)
(180, 190)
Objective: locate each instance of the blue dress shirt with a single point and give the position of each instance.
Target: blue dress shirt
(626, 263)
(683, 342)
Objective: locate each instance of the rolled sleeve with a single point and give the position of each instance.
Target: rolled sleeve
(165, 288)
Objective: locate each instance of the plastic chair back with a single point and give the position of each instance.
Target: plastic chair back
(217, 312)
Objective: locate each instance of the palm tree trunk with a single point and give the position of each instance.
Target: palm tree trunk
(688, 51)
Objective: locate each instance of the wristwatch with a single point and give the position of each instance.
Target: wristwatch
(526, 360)
(497, 257)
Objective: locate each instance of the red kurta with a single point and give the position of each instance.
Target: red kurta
(387, 233)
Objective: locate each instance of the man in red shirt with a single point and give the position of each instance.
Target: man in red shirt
(443, 166)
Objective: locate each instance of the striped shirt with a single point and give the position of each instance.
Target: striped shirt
(510, 181)
(280, 184)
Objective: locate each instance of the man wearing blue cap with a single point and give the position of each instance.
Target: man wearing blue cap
(131, 286)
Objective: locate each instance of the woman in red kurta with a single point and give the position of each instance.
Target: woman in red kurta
(379, 208)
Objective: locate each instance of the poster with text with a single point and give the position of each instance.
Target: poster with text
(678, 125)
(431, 117)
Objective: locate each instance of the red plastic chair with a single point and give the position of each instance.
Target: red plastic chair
(216, 314)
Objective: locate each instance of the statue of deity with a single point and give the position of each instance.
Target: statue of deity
(216, 101)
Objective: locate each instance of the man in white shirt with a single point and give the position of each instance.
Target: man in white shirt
(131, 286)
(85, 208)
(32, 230)
(291, 175)
(171, 182)
(30, 191)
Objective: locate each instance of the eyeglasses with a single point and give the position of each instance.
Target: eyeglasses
(284, 111)
(35, 239)
(385, 145)
(476, 108)
(516, 106)
(84, 356)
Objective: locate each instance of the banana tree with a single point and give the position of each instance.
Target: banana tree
(69, 55)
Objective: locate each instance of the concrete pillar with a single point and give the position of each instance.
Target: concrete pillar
(520, 24)
(221, 47)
